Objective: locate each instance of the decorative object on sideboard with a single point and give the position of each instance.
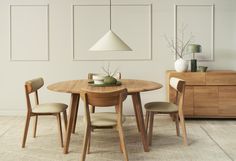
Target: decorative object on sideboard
(181, 65)
(178, 47)
(194, 48)
(202, 68)
(110, 41)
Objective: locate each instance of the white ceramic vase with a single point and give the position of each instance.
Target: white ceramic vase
(181, 65)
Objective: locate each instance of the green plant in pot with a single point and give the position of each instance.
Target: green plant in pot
(109, 78)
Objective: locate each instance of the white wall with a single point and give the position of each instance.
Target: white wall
(54, 33)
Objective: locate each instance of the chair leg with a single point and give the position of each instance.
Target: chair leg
(65, 119)
(121, 150)
(177, 124)
(150, 128)
(85, 144)
(59, 128)
(92, 109)
(147, 120)
(182, 124)
(35, 126)
(26, 129)
(172, 116)
(122, 142)
(89, 142)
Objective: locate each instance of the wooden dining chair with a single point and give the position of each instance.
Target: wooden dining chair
(32, 87)
(90, 77)
(91, 108)
(175, 109)
(103, 120)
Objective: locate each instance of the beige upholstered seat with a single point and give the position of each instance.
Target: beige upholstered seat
(103, 119)
(161, 107)
(49, 108)
(175, 109)
(32, 87)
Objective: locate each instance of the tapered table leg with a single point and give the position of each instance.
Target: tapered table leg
(75, 118)
(136, 116)
(139, 115)
(73, 105)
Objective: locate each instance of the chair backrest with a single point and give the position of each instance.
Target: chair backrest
(32, 86)
(114, 98)
(179, 86)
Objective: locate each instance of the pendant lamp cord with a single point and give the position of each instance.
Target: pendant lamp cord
(110, 14)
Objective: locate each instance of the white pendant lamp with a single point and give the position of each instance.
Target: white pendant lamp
(110, 42)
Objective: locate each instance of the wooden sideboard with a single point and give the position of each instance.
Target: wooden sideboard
(207, 95)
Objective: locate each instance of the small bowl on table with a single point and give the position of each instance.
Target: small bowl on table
(202, 68)
(98, 78)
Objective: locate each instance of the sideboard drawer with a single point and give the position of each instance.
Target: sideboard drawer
(227, 100)
(206, 100)
(191, 78)
(220, 78)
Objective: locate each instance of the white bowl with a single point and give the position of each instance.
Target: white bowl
(98, 79)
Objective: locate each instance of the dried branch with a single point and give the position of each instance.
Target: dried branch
(105, 70)
(179, 47)
(108, 71)
(171, 45)
(185, 45)
(115, 71)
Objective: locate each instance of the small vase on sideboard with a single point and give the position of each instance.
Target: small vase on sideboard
(181, 65)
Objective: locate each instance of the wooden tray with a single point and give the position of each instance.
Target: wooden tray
(91, 83)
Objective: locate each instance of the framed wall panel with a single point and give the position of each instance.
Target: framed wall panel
(133, 23)
(29, 32)
(198, 20)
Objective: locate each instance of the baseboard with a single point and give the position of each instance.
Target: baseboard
(12, 112)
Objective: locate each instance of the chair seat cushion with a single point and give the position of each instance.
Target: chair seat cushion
(104, 119)
(49, 108)
(161, 107)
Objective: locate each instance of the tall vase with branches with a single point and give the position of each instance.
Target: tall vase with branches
(178, 47)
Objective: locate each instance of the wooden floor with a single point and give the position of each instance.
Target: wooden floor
(210, 140)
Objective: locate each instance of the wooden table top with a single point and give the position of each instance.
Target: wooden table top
(132, 85)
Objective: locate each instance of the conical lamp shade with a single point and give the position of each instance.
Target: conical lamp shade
(110, 42)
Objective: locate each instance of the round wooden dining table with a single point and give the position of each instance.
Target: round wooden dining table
(133, 86)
